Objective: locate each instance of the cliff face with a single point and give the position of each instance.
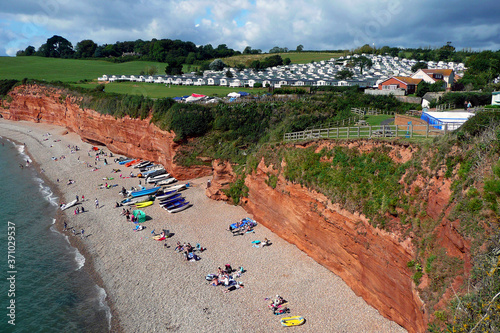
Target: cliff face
(126, 136)
(373, 262)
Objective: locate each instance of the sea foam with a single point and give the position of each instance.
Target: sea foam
(103, 304)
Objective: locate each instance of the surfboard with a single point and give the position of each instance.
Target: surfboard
(292, 321)
(159, 238)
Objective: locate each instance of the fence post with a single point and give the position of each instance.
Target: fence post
(347, 132)
(397, 132)
(445, 128)
(337, 132)
(411, 131)
(370, 131)
(358, 132)
(427, 130)
(328, 133)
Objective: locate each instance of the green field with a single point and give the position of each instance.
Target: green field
(155, 90)
(68, 70)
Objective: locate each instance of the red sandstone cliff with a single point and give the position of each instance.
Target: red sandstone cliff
(131, 137)
(371, 261)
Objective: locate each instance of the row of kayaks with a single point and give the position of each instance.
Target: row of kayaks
(172, 201)
(167, 194)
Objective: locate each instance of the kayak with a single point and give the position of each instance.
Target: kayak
(292, 321)
(143, 204)
(132, 163)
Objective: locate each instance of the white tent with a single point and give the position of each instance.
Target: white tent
(233, 94)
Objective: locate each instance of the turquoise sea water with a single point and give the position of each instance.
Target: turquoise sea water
(51, 288)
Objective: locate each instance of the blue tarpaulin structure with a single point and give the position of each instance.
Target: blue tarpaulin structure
(242, 93)
(453, 120)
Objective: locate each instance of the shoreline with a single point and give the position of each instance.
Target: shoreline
(150, 288)
(74, 242)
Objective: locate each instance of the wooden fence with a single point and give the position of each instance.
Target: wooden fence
(370, 111)
(380, 131)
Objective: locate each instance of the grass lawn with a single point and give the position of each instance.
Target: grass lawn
(377, 120)
(155, 90)
(295, 57)
(68, 70)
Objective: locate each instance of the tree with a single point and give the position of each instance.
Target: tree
(85, 49)
(247, 50)
(343, 74)
(56, 47)
(286, 61)
(229, 74)
(217, 65)
(419, 65)
(152, 70)
(362, 62)
(300, 48)
(29, 51)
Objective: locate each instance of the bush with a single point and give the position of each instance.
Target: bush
(6, 86)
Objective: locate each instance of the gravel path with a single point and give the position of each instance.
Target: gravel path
(153, 289)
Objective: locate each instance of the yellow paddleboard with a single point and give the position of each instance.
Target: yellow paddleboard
(143, 204)
(292, 321)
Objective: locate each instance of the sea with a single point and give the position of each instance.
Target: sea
(45, 285)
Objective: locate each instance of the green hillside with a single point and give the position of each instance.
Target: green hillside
(68, 70)
(295, 57)
(155, 90)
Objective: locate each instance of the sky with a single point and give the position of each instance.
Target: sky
(260, 24)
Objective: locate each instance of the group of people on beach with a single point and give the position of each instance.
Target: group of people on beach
(188, 250)
(226, 277)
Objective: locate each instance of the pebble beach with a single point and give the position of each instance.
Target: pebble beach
(152, 288)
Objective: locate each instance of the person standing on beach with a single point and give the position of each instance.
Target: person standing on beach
(77, 198)
(96, 203)
(82, 232)
(65, 226)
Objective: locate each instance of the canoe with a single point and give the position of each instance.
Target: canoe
(178, 187)
(132, 162)
(143, 204)
(166, 195)
(179, 207)
(144, 192)
(172, 202)
(292, 321)
(142, 164)
(156, 172)
(125, 161)
(166, 181)
(176, 197)
(157, 178)
(69, 204)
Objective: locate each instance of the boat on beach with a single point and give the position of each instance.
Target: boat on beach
(165, 195)
(69, 204)
(125, 161)
(132, 162)
(177, 207)
(144, 192)
(142, 164)
(166, 181)
(177, 197)
(158, 178)
(178, 187)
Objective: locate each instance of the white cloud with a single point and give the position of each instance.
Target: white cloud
(316, 24)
